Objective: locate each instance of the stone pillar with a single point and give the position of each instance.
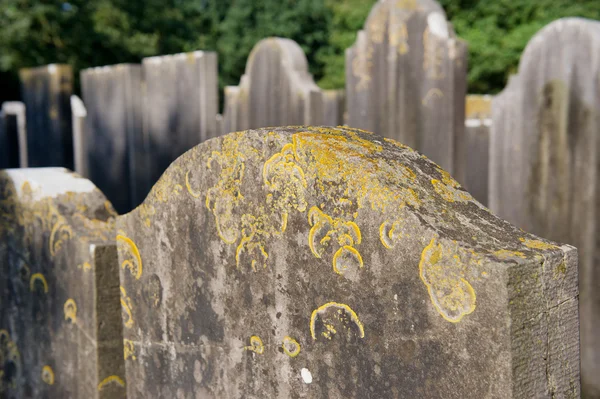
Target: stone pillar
(46, 92)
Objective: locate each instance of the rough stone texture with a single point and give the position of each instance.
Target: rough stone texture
(544, 168)
(333, 263)
(13, 135)
(116, 150)
(277, 90)
(406, 80)
(477, 138)
(79, 115)
(181, 102)
(60, 322)
(46, 92)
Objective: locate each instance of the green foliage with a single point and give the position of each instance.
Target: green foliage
(498, 31)
(248, 21)
(87, 33)
(348, 17)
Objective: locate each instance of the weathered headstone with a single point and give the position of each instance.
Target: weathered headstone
(79, 114)
(334, 263)
(277, 90)
(477, 138)
(117, 154)
(544, 170)
(406, 79)
(60, 322)
(46, 92)
(13, 135)
(181, 102)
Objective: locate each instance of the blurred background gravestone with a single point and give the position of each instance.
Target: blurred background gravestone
(406, 80)
(277, 89)
(180, 106)
(544, 168)
(13, 135)
(477, 141)
(78, 117)
(115, 149)
(46, 92)
(331, 262)
(60, 324)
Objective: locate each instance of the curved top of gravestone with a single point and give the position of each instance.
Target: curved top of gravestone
(385, 11)
(55, 199)
(561, 39)
(327, 262)
(283, 53)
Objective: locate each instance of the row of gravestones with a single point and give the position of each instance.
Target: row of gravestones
(140, 118)
(282, 262)
(542, 140)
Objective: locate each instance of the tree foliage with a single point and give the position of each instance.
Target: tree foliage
(87, 33)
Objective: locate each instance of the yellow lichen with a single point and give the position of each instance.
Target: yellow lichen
(48, 375)
(287, 342)
(38, 277)
(128, 350)
(256, 345)
(323, 312)
(536, 244)
(126, 307)
(113, 378)
(70, 310)
(130, 254)
(507, 254)
(443, 272)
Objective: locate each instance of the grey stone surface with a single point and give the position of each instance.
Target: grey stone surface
(333, 263)
(181, 102)
(46, 92)
(79, 115)
(13, 135)
(477, 140)
(117, 153)
(544, 168)
(277, 89)
(406, 80)
(60, 322)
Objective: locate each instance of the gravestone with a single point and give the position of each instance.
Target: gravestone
(180, 106)
(333, 263)
(13, 135)
(46, 92)
(544, 169)
(79, 114)
(406, 80)
(477, 138)
(116, 151)
(60, 323)
(277, 89)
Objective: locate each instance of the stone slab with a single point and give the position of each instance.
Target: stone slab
(46, 92)
(334, 263)
(60, 325)
(406, 80)
(116, 150)
(544, 169)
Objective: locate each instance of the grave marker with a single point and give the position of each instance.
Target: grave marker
(116, 150)
(406, 80)
(277, 89)
(544, 169)
(331, 262)
(13, 135)
(46, 92)
(79, 114)
(60, 325)
(477, 138)
(180, 106)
